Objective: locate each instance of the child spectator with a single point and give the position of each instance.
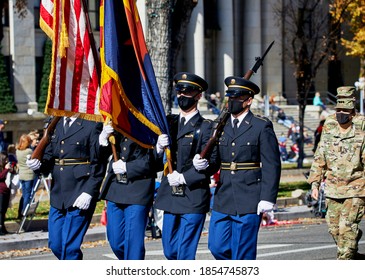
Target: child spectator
(282, 147)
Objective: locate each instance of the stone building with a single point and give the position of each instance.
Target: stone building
(224, 37)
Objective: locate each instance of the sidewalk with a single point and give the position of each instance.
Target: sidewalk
(36, 236)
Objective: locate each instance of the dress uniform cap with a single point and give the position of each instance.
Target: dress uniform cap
(345, 97)
(238, 86)
(185, 81)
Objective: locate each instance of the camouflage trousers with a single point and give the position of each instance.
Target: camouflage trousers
(343, 218)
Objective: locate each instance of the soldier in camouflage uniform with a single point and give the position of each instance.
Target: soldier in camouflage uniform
(339, 160)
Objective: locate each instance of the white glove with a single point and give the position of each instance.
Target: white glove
(33, 164)
(200, 163)
(104, 135)
(264, 206)
(83, 201)
(162, 142)
(176, 179)
(119, 167)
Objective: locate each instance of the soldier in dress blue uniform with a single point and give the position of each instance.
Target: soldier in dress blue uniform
(129, 198)
(249, 176)
(184, 194)
(72, 157)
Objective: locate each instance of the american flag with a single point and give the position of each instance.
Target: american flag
(46, 17)
(74, 86)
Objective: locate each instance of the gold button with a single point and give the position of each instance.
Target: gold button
(124, 148)
(126, 139)
(232, 172)
(62, 142)
(123, 158)
(61, 151)
(232, 154)
(233, 144)
(77, 143)
(61, 168)
(248, 143)
(191, 143)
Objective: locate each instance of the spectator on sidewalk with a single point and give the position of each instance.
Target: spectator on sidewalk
(3, 145)
(294, 152)
(282, 147)
(283, 119)
(317, 101)
(272, 105)
(34, 136)
(26, 175)
(213, 104)
(293, 132)
(5, 167)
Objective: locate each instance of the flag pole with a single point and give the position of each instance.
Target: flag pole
(98, 72)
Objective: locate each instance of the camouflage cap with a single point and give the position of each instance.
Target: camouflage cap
(346, 97)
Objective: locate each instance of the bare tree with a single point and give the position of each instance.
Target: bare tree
(20, 7)
(167, 24)
(310, 39)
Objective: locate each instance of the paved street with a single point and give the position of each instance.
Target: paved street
(286, 242)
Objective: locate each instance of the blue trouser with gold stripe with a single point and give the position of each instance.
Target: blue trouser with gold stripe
(233, 237)
(181, 234)
(126, 227)
(66, 231)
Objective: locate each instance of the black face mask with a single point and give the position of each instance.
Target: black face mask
(185, 103)
(235, 106)
(342, 118)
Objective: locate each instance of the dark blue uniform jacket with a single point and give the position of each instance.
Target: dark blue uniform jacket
(69, 181)
(197, 194)
(239, 192)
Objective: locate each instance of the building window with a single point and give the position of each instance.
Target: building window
(5, 14)
(94, 14)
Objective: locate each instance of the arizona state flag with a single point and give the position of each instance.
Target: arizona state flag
(129, 92)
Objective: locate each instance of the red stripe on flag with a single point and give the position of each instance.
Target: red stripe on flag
(46, 16)
(78, 60)
(74, 81)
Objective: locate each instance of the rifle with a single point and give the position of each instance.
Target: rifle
(220, 122)
(48, 131)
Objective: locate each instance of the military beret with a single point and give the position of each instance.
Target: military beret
(238, 86)
(345, 97)
(185, 81)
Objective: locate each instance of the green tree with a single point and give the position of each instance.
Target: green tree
(46, 69)
(7, 104)
(351, 14)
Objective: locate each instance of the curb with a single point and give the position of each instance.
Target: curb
(37, 234)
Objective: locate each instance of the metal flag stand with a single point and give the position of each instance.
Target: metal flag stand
(31, 207)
